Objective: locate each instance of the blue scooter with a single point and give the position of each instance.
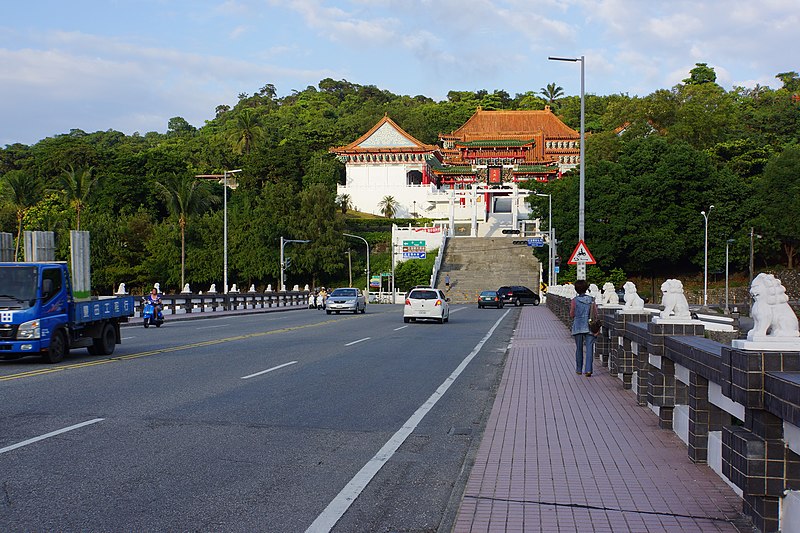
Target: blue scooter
(148, 312)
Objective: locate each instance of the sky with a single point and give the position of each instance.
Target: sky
(131, 65)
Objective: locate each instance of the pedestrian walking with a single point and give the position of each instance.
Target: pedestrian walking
(447, 280)
(582, 309)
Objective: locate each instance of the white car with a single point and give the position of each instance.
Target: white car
(346, 299)
(426, 303)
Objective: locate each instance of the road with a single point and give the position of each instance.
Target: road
(285, 421)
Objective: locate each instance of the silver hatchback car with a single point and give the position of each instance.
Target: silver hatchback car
(346, 299)
(426, 303)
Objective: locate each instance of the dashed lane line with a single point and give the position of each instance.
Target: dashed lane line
(51, 370)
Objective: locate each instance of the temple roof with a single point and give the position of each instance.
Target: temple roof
(520, 125)
(385, 136)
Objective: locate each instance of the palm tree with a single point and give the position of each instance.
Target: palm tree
(248, 131)
(23, 192)
(345, 203)
(185, 196)
(388, 206)
(77, 186)
(551, 92)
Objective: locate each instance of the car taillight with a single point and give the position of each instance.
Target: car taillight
(408, 302)
(438, 303)
(496, 298)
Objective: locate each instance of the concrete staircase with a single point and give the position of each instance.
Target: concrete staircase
(478, 264)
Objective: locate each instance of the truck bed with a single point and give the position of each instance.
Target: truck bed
(102, 309)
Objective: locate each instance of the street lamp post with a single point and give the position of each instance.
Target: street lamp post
(705, 257)
(367, 244)
(551, 255)
(349, 268)
(727, 246)
(225, 227)
(224, 177)
(581, 198)
(284, 242)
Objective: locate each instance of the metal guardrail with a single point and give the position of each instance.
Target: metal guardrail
(187, 303)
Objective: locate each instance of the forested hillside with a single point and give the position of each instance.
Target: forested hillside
(653, 163)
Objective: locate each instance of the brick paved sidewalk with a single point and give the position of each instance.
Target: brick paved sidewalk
(565, 452)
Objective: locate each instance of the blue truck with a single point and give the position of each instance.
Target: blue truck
(39, 315)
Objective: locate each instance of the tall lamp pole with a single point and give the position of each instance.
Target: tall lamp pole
(581, 198)
(367, 244)
(225, 227)
(224, 177)
(705, 258)
(551, 255)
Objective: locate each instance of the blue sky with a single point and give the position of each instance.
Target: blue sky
(131, 65)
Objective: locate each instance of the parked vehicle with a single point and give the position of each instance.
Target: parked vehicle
(346, 299)
(426, 303)
(149, 316)
(490, 299)
(518, 295)
(39, 315)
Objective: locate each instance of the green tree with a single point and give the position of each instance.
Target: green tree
(780, 201)
(345, 203)
(247, 131)
(701, 74)
(22, 191)
(551, 92)
(790, 80)
(185, 196)
(77, 185)
(388, 206)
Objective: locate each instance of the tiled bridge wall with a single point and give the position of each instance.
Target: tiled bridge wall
(737, 410)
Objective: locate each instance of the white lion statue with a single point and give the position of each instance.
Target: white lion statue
(186, 289)
(121, 289)
(673, 300)
(610, 296)
(212, 289)
(771, 311)
(632, 298)
(594, 292)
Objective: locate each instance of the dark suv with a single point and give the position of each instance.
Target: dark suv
(518, 295)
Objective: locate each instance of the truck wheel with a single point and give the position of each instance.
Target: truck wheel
(106, 343)
(58, 348)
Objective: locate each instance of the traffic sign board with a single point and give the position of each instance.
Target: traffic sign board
(538, 242)
(581, 254)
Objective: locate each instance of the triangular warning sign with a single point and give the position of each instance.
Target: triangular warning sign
(581, 254)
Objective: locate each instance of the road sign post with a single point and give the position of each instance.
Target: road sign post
(581, 257)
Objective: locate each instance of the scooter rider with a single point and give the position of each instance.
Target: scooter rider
(154, 299)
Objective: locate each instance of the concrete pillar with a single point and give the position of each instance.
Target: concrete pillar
(6, 247)
(39, 246)
(81, 269)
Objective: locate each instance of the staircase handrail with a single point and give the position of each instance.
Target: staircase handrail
(438, 263)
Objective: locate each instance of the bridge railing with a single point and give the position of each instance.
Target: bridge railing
(187, 303)
(735, 408)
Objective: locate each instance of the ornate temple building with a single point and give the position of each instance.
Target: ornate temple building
(472, 175)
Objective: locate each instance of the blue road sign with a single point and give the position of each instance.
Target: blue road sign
(538, 242)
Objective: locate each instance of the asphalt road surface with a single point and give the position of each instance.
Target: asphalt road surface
(284, 421)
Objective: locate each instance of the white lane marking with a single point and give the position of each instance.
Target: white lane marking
(216, 326)
(48, 435)
(127, 338)
(359, 340)
(401, 327)
(270, 369)
(339, 505)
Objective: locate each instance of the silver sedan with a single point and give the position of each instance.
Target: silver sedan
(346, 299)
